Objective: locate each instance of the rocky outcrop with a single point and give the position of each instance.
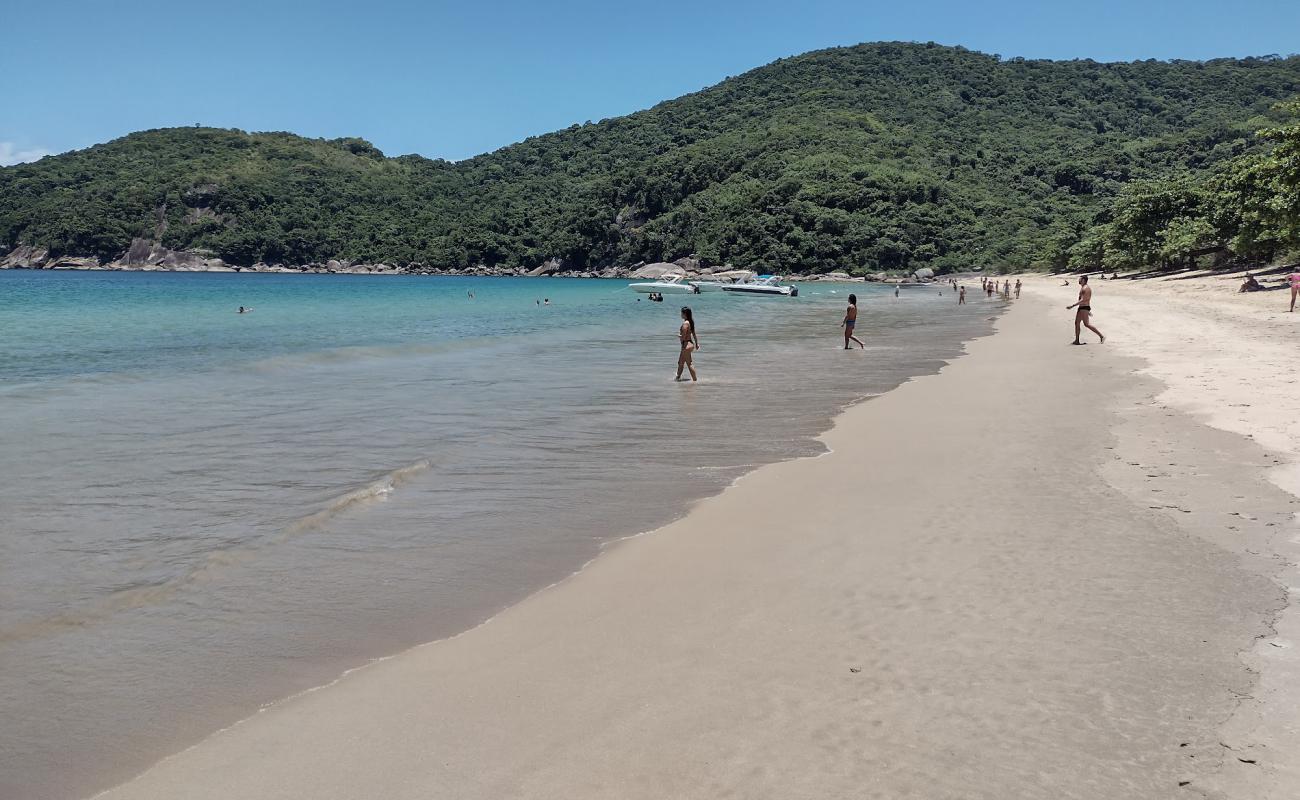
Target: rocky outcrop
(72, 262)
(25, 256)
(549, 267)
(148, 255)
(144, 254)
(657, 270)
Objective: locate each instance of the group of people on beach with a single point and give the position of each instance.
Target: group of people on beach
(1082, 308)
(990, 287)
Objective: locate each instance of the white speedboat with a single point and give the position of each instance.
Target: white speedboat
(668, 284)
(709, 286)
(763, 284)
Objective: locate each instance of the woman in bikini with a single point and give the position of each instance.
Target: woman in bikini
(1294, 280)
(690, 343)
(850, 321)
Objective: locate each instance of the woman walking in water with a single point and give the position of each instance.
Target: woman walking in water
(851, 321)
(690, 343)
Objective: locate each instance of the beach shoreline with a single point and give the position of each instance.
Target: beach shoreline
(291, 594)
(1225, 357)
(946, 638)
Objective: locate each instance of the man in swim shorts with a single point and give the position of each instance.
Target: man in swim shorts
(1083, 314)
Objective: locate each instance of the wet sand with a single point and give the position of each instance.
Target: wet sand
(1030, 575)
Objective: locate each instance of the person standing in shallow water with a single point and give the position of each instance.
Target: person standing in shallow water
(961, 296)
(690, 343)
(1084, 313)
(850, 322)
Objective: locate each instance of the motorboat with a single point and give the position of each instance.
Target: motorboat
(709, 286)
(763, 284)
(668, 284)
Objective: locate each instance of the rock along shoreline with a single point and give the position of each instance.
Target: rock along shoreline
(146, 256)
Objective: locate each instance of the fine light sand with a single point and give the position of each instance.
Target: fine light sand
(1230, 359)
(1028, 576)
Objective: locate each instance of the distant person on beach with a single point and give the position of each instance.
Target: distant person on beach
(961, 296)
(1017, 288)
(1294, 280)
(1250, 285)
(690, 343)
(1084, 312)
(895, 291)
(850, 322)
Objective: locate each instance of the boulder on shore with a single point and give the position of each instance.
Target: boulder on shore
(657, 270)
(549, 267)
(70, 262)
(25, 256)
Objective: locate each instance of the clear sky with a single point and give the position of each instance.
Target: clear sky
(453, 80)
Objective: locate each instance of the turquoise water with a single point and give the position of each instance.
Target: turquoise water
(206, 511)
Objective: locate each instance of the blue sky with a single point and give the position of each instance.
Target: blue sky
(453, 80)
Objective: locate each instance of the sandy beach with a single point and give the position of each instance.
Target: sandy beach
(1046, 571)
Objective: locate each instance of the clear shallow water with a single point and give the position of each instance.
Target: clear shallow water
(202, 512)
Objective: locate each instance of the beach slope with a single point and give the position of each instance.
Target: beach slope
(1005, 580)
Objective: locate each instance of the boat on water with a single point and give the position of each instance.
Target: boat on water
(668, 284)
(709, 286)
(763, 284)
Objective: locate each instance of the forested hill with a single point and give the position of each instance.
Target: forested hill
(879, 156)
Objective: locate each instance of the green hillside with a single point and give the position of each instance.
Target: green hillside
(879, 156)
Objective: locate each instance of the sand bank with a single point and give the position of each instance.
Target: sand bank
(1229, 359)
(1026, 576)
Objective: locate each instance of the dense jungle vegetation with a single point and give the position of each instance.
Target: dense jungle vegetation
(876, 157)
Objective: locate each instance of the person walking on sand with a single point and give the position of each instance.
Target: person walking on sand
(961, 296)
(1294, 280)
(1017, 288)
(1084, 312)
(851, 321)
(690, 343)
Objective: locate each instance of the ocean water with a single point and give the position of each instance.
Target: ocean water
(202, 512)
